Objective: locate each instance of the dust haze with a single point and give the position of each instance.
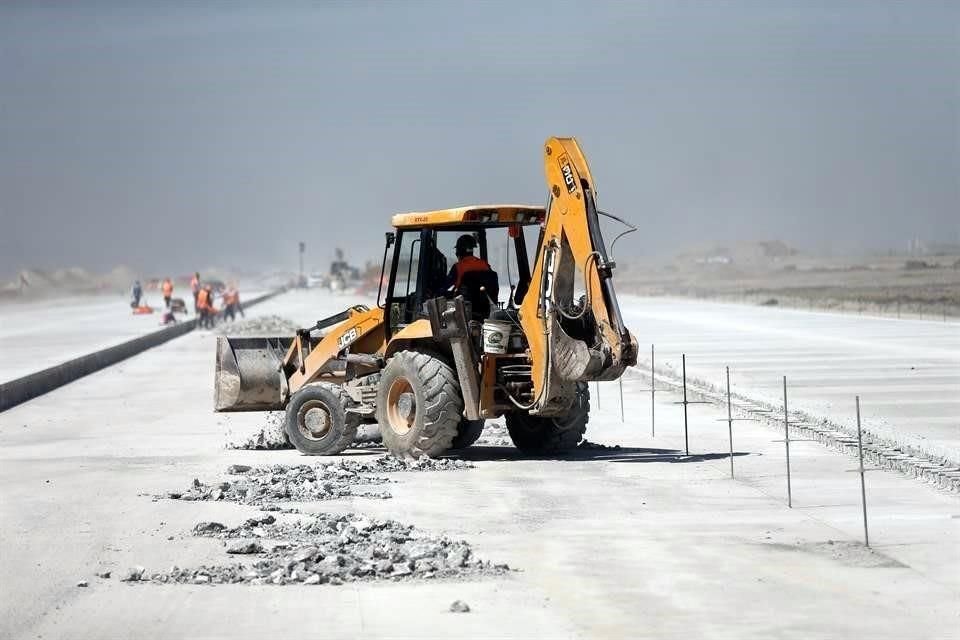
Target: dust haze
(177, 137)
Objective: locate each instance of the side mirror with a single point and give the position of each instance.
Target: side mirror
(391, 237)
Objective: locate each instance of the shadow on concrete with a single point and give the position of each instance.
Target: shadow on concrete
(612, 454)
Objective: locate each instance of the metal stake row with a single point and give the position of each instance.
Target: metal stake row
(787, 440)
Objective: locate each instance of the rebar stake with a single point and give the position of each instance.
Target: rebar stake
(730, 422)
(730, 419)
(786, 441)
(686, 439)
(685, 402)
(622, 417)
(863, 486)
(653, 404)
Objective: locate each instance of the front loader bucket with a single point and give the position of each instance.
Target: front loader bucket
(248, 376)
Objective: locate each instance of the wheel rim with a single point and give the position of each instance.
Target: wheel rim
(314, 420)
(401, 406)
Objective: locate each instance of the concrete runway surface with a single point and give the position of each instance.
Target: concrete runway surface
(640, 541)
(907, 372)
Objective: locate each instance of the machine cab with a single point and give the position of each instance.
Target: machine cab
(491, 270)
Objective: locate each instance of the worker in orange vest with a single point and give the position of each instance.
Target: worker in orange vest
(466, 261)
(195, 288)
(167, 288)
(205, 307)
(231, 303)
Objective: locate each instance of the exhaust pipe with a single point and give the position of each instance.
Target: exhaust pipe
(248, 376)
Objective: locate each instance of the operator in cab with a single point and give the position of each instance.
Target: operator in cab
(466, 261)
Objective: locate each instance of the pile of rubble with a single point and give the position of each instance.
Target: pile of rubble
(327, 549)
(264, 326)
(595, 446)
(266, 486)
(270, 436)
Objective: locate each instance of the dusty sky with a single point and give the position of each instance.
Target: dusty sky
(170, 135)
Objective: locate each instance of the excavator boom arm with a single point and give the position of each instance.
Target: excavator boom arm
(572, 338)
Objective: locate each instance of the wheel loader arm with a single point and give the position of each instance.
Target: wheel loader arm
(572, 340)
(359, 328)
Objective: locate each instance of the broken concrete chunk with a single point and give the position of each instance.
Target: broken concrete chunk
(400, 570)
(133, 574)
(459, 606)
(208, 527)
(244, 547)
(303, 554)
(237, 469)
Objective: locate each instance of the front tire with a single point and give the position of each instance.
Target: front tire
(317, 424)
(419, 405)
(537, 435)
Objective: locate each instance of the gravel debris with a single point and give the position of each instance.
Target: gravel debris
(333, 549)
(459, 606)
(593, 446)
(83, 583)
(134, 574)
(103, 574)
(269, 485)
(209, 527)
(270, 436)
(237, 469)
(245, 547)
(267, 326)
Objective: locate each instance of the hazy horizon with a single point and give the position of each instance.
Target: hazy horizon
(168, 137)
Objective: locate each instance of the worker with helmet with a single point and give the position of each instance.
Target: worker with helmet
(473, 278)
(195, 288)
(466, 261)
(231, 303)
(205, 307)
(135, 294)
(167, 288)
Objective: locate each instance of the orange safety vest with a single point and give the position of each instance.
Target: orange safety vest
(203, 299)
(167, 288)
(466, 264)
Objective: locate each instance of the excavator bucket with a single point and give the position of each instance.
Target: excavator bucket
(248, 376)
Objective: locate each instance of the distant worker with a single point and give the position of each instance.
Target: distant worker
(135, 294)
(195, 288)
(169, 317)
(231, 303)
(167, 288)
(466, 261)
(205, 308)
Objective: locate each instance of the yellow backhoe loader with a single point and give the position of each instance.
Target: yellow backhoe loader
(440, 353)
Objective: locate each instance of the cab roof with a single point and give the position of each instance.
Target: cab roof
(494, 215)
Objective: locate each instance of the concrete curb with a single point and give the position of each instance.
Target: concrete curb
(36, 384)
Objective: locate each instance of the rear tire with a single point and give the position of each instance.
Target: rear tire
(419, 405)
(468, 432)
(537, 435)
(317, 424)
